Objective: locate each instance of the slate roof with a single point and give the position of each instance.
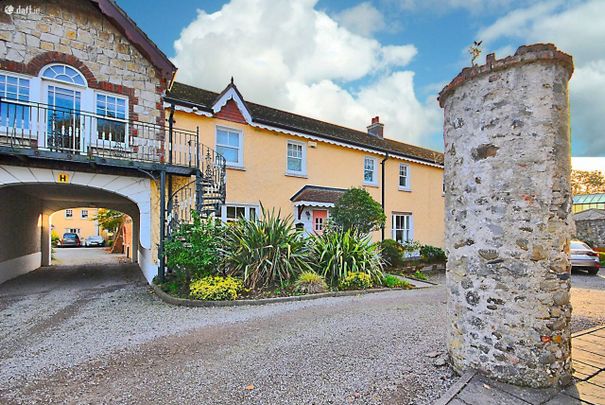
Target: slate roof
(590, 215)
(204, 100)
(318, 194)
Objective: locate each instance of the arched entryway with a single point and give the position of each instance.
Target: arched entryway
(28, 196)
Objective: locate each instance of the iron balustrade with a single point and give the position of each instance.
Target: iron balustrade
(37, 126)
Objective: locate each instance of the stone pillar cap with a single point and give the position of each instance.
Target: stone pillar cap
(525, 54)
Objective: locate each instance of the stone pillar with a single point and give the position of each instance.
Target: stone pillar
(508, 221)
(45, 239)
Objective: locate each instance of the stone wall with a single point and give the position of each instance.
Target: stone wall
(592, 231)
(508, 221)
(76, 33)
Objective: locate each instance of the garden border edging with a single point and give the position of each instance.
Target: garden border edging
(169, 299)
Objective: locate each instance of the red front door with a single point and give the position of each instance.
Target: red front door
(319, 220)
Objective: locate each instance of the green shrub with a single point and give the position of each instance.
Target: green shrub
(266, 252)
(55, 239)
(336, 253)
(192, 252)
(392, 253)
(215, 288)
(310, 283)
(432, 254)
(356, 281)
(602, 258)
(419, 275)
(357, 210)
(391, 281)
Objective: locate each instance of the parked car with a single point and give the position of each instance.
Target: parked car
(70, 239)
(94, 241)
(583, 257)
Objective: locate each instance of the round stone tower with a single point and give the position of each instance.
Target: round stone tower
(508, 217)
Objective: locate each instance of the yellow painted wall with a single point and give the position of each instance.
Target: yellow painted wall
(88, 227)
(263, 178)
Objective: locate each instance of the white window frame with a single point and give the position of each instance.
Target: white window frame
(374, 181)
(107, 143)
(408, 184)
(240, 151)
(409, 230)
(82, 216)
(19, 77)
(69, 213)
(77, 231)
(303, 165)
(247, 208)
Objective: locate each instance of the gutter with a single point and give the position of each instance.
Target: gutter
(383, 164)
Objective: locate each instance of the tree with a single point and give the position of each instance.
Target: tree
(357, 210)
(110, 220)
(587, 182)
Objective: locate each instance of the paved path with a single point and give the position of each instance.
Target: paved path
(588, 354)
(85, 255)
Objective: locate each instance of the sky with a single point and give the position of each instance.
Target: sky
(345, 61)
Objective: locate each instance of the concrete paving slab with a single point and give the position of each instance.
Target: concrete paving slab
(530, 395)
(480, 392)
(563, 399)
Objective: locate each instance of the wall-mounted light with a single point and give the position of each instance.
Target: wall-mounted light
(308, 214)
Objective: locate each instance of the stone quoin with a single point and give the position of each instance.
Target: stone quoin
(508, 217)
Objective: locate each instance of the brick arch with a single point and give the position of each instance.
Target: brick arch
(34, 66)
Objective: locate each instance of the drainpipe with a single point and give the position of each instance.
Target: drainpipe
(382, 163)
(162, 224)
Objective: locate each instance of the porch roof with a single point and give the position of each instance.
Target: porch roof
(317, 195)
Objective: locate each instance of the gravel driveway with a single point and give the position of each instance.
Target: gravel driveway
(93, 334)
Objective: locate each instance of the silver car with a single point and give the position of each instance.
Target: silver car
(583, 257)
(94, 241)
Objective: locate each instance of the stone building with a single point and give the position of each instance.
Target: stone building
(590, 227)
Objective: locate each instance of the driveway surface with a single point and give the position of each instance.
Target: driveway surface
(96, 334)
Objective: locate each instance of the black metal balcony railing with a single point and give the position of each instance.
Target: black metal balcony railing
(37, 126)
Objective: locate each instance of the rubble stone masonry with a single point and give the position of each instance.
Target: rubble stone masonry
(508, 217)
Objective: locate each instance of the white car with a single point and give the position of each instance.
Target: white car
(94, 241)
(583, 257)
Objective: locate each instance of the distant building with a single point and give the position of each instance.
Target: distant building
(76, 220)
(585, 202)
(590, 227)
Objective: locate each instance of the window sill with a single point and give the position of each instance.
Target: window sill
(299, 175)
(406, 189)
(232, 167)
(374, 185)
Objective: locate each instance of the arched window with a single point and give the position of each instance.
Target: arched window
(65, 74)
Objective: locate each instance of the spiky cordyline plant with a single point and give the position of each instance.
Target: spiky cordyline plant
(337, 253)
(266, 252)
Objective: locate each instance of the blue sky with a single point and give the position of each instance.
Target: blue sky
(345, 61)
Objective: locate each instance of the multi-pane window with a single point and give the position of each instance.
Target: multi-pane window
(84, 214)
(404, 176)
(14, 114)
(72, 230)
(229, 144)
(369, 170)
(232, 212)
(69, 213)
(319, 224)
(111, 123)
(402, 227)
(63, 73)
(296, 157)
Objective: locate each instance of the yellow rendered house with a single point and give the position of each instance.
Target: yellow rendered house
(301, 166)
(80, 220)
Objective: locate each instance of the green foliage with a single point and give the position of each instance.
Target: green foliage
(215, 288)
(265, 252)
(356, 281)
(310, 283)
(602, 258)
(419, 275)
(110, 220)
(55, 239)
(587, 182)
(357, 210)
(392, 253)
(432, 254)
(336, 253)
(193, 249)
(391, 281)
(411, 248)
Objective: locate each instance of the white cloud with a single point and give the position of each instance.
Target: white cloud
(472, 6)
(575, 27)
(363, 19)
(290, 55)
